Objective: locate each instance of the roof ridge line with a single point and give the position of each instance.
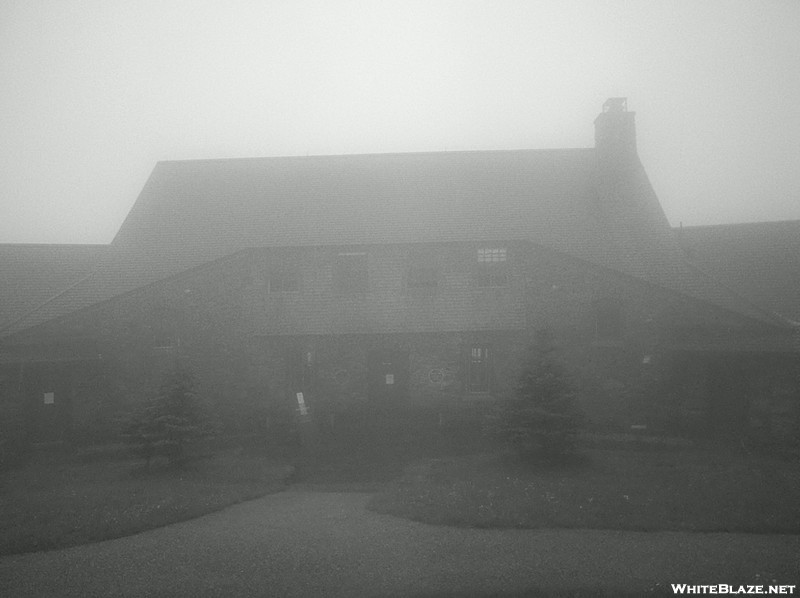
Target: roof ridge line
(47, 301)
(377, 154)
(736, 224)
(660, 285)
(175, 275)
(54, 245)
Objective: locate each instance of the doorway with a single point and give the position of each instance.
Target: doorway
(388, 376)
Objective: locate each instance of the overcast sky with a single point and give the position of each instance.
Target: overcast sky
(93, 94)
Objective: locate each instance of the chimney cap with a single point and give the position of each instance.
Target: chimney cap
(615, 105)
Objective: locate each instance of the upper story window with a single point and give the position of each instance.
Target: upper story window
(163, 342)
(492, 264)
(350, 273)
(283, 281)
(491, 255)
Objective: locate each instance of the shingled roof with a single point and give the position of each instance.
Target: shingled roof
(35, 275)
(215, 206)
(572, 200)
(759, 260)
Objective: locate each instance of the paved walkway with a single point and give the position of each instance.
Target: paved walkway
(300, 543)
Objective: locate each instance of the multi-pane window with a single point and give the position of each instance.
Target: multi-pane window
(478, 369)
(491, 271)
(283, 281)
(165, 340)
(350, 273)
(491, 255)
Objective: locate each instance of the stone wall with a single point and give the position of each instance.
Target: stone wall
(253, 347)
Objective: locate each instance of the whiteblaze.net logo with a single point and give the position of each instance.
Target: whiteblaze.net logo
(723, 588)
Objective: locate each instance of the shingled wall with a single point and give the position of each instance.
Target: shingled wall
(254, 348)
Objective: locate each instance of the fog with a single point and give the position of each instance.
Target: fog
(95, 93)
(401, 388)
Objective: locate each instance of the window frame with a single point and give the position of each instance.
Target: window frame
(479, 368)
(491, 269)
(492, 255)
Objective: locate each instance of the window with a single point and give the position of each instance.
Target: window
(491, 270)
(283, 281)
(166, 337)
(491, 255)
(478, 369)
(608, 320)
(350, 273)
(164, 342)
(422, 277)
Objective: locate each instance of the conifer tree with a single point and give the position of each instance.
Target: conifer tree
(170, 420)
(541, 420)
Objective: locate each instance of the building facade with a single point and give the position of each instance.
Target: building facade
(410, 282)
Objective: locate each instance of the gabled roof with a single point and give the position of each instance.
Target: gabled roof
(192, 212)
(33, 275)
(759, 260)
(197, 210)
(570, 200)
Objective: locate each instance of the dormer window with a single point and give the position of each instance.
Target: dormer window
(491, 255)
(165, 344)
(491, 270)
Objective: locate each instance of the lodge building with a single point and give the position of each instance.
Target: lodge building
(412, 281)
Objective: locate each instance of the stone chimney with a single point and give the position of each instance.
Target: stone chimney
(615, 132)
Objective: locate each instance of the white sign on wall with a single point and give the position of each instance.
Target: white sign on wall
(301, 404)
(389, 378)
(49, 398)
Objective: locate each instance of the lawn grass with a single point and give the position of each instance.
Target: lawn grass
(55, 502)
(688, 490)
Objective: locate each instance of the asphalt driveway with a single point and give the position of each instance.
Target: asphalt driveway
(302, 543)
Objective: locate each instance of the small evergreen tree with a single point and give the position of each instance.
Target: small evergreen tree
(170, 420)
(541, 420)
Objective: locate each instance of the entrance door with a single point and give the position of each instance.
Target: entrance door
(388, 376)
